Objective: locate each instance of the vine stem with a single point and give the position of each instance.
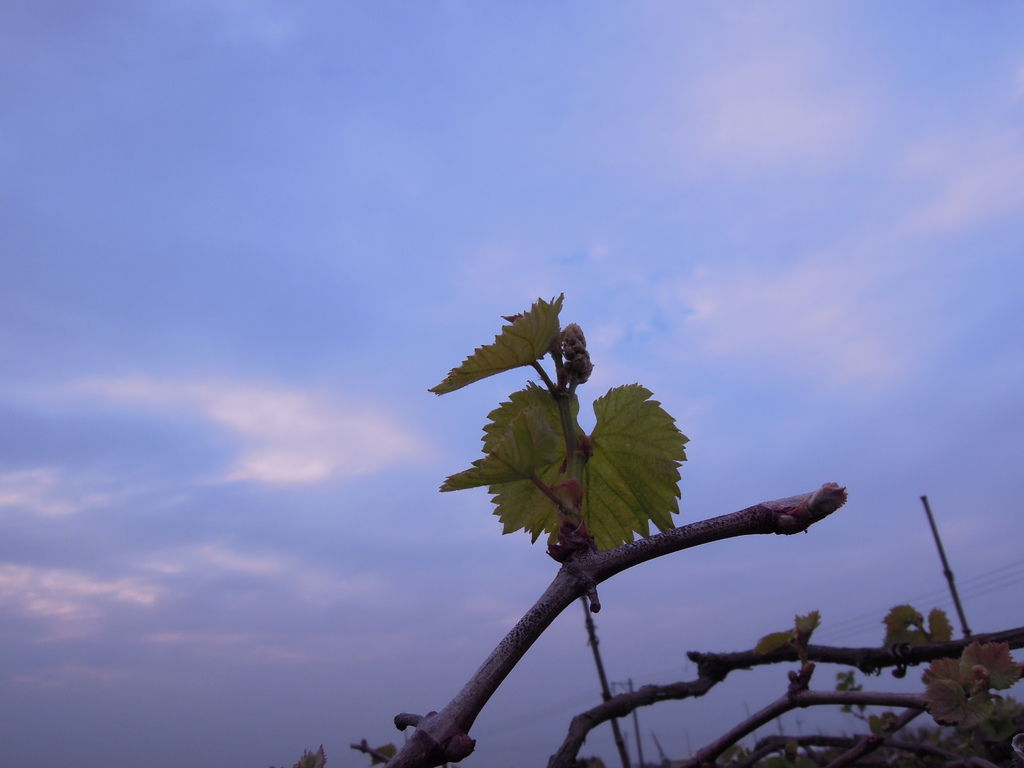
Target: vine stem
(564, 401)
(544, 377)
(431, 743)
(543, 488)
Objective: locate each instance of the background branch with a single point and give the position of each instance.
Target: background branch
(713, 668)
(867, 660)
(778, 743)
(788, 702)
(870, 742)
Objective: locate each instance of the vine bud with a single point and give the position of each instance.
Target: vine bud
(574, 352)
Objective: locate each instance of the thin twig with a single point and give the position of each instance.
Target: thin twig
(544, 376)
(788, 702)
(769, 744)
(376, 754)
(868, 744)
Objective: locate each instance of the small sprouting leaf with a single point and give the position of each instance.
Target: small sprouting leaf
(632, 477)
(527, 338)
(939, 628)
(847, 681)
(312, 759)
(805, 625)
(903, 624)
(773, 642)
(388, 751)
(528, 445)
(881, 725)
(1002, 670)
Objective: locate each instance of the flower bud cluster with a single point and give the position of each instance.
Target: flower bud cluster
(574, 352)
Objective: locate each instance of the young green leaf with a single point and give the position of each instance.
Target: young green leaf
(388, 751)
(949, 704)
(525, 447)
(942, 669)
(521, 505)
(1001, 670)
(882, 724)
(632, 476)
(773, 642)
(957, 692)
(903, 624)
(939, 628)
(805, 625)
(847, 681)
(527, 338)
(531, 396)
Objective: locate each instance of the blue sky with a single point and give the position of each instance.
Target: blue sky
(241, 239)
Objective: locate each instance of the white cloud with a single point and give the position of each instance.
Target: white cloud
(826, 320)
(234, 643)
(969, 180)
(312, 583)
(767, 110)
(220, 557)
(269, 23)
(69, 674)
(290, 436)
(72, 598)
(36, 491)
(766, 92)
(47, 492)
(230, 560)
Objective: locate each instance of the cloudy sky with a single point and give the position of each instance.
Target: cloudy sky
(241, 238)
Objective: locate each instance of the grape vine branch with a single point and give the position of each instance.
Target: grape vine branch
(594, 496)
(443, 736)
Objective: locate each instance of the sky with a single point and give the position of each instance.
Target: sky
(240, 239)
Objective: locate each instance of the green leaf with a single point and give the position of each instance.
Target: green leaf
(939, 628)
(520, 504)
(773, 642)
(805, 625)
(1002, 670)
(632, 476)
(312, 759)
(526, 339)
(531, 396)
(943, 669)
(527, 445)
(847, 681)
(948, 704)
(900, 623)
(388, 751)
(882, 725)
(523, 506)
(952, 694)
